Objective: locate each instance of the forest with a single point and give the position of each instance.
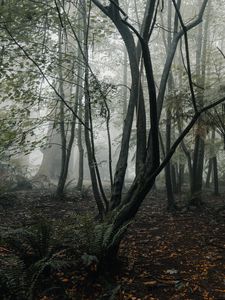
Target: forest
(112, 145)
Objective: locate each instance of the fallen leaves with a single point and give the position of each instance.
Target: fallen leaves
(150, 283)
(179, 257)
(178, 262)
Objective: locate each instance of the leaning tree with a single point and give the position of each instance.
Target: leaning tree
(121, 209)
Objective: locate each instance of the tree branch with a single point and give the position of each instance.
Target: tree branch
(187, 56)
(171, 54)
(59, 14)
(44, 76)
(103, 8)
(221, 52)
(183, 134)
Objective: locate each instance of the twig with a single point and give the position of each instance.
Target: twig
(221, 52)
(43, 74)
(187, 56)
(59, 14)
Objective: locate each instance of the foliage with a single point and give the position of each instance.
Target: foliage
(105, 238)
(12, 279)
(24, 91)
(12, 178)
(34, 252)
(91, 241)
(7, 200)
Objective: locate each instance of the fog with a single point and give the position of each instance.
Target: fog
(112, 144)
(41, 86)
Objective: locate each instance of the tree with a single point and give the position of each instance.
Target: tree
(122, 210)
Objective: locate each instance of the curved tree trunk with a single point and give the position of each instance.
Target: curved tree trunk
(124, 209)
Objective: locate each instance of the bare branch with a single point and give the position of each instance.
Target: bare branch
(171, 54)
(221, 52)
(59, 14)
(183, 134)
(193, 98)
(100, 6)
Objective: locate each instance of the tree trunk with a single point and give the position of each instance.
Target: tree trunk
(209, 172)
(174, 177)
(81, 151)
(67, 140)
(64, 167)
(180, 179)
(169, 188)
(198, 159)
(215, 176)
(197, 172)
(88, 130)
(126, 208)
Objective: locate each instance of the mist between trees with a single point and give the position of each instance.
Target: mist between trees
(121, 97)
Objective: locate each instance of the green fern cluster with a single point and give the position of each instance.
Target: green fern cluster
(12, 281)
(91, 241)
(75, 233)
(105, 239)
(90, 237)
(34, 252)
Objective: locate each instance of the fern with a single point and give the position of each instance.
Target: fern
(105, 238)
(118, 235)
(97, 242)
(32, 243)
(38, 268)
(12, 279)
(34, 250)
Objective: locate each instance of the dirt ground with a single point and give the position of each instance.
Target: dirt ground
(176, 256)
(164, 256)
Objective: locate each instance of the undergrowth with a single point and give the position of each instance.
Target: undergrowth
(34, 254)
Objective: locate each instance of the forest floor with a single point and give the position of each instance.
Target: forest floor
(164, 255)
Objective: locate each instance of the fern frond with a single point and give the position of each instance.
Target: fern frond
(107, 235)
(117, 236)
(38, 268)
(12, 281)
